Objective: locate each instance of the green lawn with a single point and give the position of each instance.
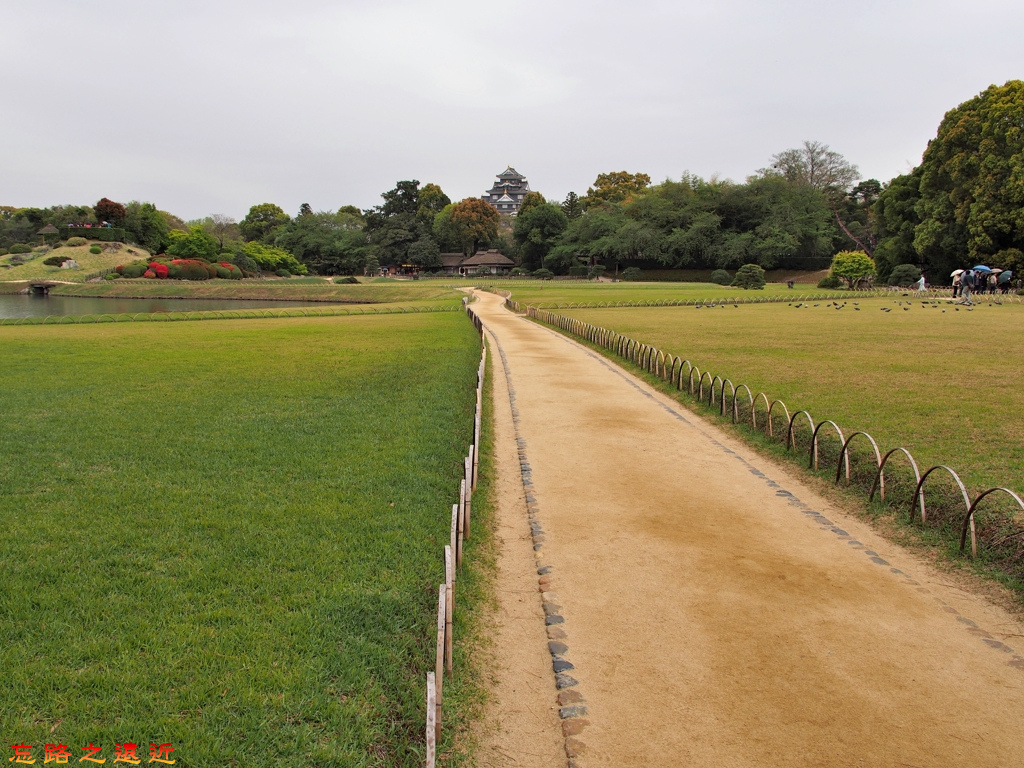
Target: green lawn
(294, 289)
(549, 294)
(945, 384)
(228, 536)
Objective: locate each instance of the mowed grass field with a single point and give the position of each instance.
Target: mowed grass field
(549, 294)
(228, 536)
(945, 384)
(293, 289)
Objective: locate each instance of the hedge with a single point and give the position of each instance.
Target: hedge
(114, 234)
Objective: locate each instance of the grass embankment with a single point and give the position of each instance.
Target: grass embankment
(946, 385)
(88, 263)
(228, 537)
(282, 290)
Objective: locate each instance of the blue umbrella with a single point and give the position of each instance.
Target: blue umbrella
(981, 268)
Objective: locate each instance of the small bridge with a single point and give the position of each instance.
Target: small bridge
(41, 287)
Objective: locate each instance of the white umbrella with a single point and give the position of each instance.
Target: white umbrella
(956, 272)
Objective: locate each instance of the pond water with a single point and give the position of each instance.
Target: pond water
(22, 305)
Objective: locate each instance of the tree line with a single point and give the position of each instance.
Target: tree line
(965, 202)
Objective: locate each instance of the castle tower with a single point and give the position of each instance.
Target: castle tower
(508, 191)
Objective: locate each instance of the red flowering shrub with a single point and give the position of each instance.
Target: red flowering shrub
(150, 274)
(159, 269)
(191, 269)
(119, 268)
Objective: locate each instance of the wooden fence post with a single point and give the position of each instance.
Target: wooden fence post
(462, 523)
(469, 488)
(449, 607)
(431, 726)
(442, 623)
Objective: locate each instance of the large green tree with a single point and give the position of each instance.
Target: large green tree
(895, 214)
(146, 226)
(327, 243)
(473, 223)
(616, 186)
(537, 231)
(405, 217)
(194, 243)
(262, 222)
(971, 203)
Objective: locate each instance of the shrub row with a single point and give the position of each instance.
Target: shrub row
(180, 269)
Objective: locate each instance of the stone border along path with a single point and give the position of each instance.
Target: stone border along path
(710, 623)
(572, 708)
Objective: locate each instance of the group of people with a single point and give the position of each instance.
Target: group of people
(104, 224)
(976, 281)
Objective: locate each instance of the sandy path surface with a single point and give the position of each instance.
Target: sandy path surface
(520, 727)
(713, 611)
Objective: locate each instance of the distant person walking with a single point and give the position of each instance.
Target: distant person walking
(967, 282)
(992, 281)
(956, 283)
(920, 284)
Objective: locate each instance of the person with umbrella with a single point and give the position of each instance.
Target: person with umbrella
(1004, 280)
(957, 274)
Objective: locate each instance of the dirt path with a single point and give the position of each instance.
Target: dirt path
(708, 609)
(520, 727)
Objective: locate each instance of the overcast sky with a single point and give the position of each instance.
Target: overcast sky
(211, 107)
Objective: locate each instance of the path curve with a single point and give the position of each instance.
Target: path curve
(705, 608)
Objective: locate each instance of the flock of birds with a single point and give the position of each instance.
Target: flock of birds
(900, 304)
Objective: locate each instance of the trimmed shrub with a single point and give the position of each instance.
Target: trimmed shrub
(577, 271)
(150, 274)
(350, 280)
(244, 263)
(855, 268)
(519, 271)
(596, 271)
(720, 277)
(283, 273)
(20, 248)
(749, 276)
(54, 261)
(831, 282)
(543, 274)
(632, 274)
(191, 269)
(904, 275)
(95, 249)
(74, 242)
(4, 251)
(111, 276)
(133, 270)
(159, 269)
(222, 272)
